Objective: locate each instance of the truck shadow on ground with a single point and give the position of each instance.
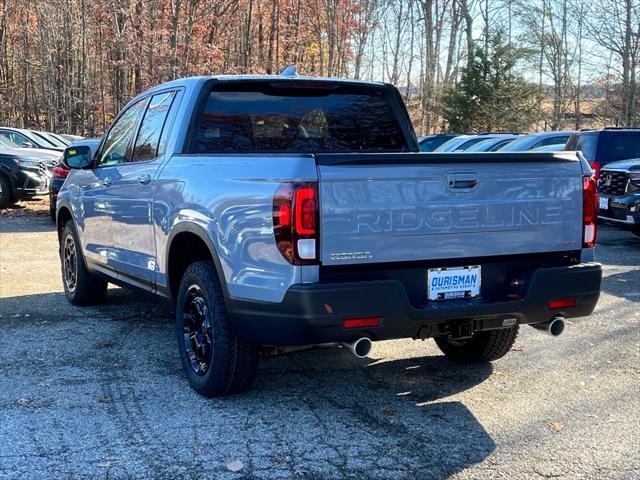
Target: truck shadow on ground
(393, 403)
(624, 285)
(323, 412)
(26, 224)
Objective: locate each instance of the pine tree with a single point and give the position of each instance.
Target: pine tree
(491, 96)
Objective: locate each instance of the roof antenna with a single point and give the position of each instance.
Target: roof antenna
(290, 71)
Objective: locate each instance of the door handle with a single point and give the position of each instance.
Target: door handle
(106, 182)
(462, 180)
(144, 179)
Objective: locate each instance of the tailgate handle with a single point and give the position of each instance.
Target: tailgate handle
(462, 180)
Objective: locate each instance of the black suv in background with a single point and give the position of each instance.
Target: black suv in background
(601, 147)
(619, 188)
(21, 176)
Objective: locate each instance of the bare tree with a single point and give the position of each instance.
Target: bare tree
(615, 26)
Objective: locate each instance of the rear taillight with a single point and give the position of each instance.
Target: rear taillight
(295, 222)
(595, 166)
(589, 211)
(60, 172)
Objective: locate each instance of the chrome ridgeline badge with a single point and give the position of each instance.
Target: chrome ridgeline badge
(351, 255)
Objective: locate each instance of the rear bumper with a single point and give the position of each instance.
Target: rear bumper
(314, 313)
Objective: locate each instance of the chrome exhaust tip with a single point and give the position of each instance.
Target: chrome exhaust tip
(360, 348)
(553, 327)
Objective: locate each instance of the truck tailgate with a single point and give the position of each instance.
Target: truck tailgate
(407, 206)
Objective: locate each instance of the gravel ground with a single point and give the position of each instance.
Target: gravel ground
(99, 393)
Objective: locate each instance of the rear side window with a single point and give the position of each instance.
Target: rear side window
(148, 139)
(268, 118)
(16, 138)
(619, 146)
(552, 141)
(430, 144)
(584, 142)
(469, 143)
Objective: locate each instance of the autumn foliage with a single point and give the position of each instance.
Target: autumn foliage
(69, 65)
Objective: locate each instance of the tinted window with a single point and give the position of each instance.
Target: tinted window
(44, 141)
(586, 143)
(117, 146)
(268, 118)
(431, 143)
(451, 145)
(48, 139)
(146, 147)
(552, 141)
(619, 146)
(14, 137)
(5, 142)
(469, 143)
(500, 144)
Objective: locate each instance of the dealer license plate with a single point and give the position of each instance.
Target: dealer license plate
(604, 203)
(451, 283)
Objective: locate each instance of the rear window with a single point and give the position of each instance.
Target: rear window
(268, 118)
(584, 142)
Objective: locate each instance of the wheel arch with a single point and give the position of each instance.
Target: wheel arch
(188, 243)
(62, 217)
(9, 176)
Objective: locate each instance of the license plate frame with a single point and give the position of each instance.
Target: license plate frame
(463, 283)
(603, 203)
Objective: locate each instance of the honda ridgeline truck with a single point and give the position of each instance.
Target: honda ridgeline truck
(290, 211)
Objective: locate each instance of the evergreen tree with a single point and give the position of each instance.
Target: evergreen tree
(490, 96)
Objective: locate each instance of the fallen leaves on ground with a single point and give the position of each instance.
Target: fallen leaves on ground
(556, 426)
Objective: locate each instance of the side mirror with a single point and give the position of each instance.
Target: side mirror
(77, 157)
(28, 144)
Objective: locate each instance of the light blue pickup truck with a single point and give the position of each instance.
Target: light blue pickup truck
(290, 211)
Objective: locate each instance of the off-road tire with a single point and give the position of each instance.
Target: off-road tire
(482, 347)
(230, 364)
(87, 289)
(5, 192)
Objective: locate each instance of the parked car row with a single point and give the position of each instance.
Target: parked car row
(495, 142)
(27, 162)
(30, 162)
(613, 153)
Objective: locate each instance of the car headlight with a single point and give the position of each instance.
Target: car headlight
(634, 178)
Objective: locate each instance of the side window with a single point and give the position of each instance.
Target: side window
(148, 140)
(6, 136)
(552, 141)
(16, 138)
(116, 149)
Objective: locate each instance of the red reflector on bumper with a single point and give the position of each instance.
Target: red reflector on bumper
(566, 303)
(361, 322)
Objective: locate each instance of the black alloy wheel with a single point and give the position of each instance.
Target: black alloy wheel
(198, 330)
(70, 263)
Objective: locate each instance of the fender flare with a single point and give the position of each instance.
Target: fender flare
(202, 234)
